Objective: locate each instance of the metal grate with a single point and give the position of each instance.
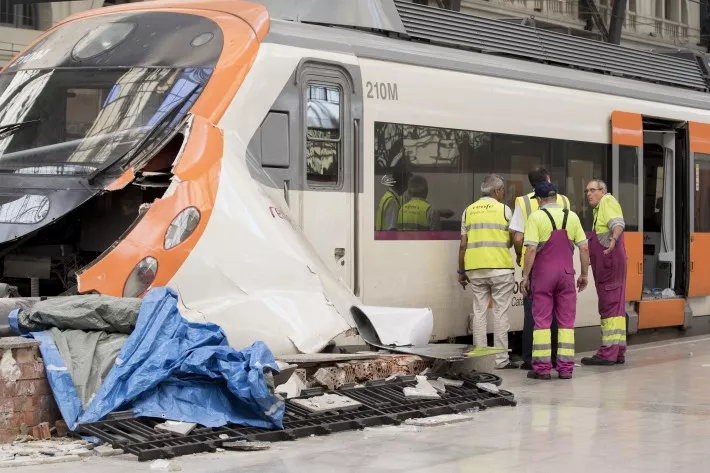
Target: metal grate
(383, 403)
(459, 30)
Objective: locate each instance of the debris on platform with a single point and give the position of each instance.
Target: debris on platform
(291, 388)
(165, 465)
(423, 390)
(327, 403)
(444, 419)
(245, 446)
(491, 388)
(28, 453)
(179, 428)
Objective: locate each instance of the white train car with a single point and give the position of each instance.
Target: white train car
(259, 195)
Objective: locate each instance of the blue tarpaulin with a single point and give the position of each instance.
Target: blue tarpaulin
(174, 369)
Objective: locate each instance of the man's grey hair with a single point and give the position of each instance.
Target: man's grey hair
(491, 183)
(600, 183)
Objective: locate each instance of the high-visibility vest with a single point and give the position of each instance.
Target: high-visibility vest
(385, 201)
(488, 240)
(412, 216)
(528, 204)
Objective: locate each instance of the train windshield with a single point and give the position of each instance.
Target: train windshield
(99, 90)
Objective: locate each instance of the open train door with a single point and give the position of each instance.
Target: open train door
(699, 202)
(627, 187)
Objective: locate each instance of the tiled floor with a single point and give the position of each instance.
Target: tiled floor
(650, 415)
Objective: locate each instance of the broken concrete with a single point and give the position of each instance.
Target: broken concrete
(291, 388)
(179, 428)
(451, 382)
(440, 420)
(27, 453)
(107, 451)
(326, 403)
(243, 445)
(438, 384)
(491, 388)
(165, 465)
(423, 390)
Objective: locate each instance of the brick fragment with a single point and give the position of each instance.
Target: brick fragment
(62, 428)
(41, 431)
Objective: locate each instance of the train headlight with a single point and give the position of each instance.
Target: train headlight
(181, 227)
(141, 277)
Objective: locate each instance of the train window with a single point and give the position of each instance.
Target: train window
(323, 137)
(702, 193)
(628, 193)
(426, 176)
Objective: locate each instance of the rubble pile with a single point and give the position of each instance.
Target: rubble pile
(26, 452)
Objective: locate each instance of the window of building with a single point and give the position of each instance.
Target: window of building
(446, 167)
(632, 5)
(323, 136)
(18, 15)
(702, 193)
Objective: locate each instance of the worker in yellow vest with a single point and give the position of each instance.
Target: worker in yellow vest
(524, 206)
(418, 215)
(391, 201)
(486, 263)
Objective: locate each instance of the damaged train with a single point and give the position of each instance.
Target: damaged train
(238, 152)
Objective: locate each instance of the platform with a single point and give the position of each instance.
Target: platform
(650, 415)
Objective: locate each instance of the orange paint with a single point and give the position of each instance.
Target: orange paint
(633, 242)
(122, 181)
(109, 274)
(661, 313)
(699, 265)
(243, 25)
(626, 129)
(699, 137)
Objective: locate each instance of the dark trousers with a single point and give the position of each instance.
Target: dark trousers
(529, 327)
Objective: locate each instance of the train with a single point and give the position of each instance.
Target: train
(239, 151)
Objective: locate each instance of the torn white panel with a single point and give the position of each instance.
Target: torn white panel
(254, 273)
(398, 326)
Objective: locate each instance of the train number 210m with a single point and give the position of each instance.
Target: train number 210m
(382, 90)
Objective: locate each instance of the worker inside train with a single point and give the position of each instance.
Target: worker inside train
(418, 214)
(392, 200)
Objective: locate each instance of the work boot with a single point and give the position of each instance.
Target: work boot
(535, 375)
(566, 376)
(512, 365)
(596, 361)
(621, 361)
(526, 366)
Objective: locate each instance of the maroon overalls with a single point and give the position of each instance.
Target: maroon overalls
(553, 290)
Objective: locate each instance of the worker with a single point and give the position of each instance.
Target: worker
(524, 206)
(551, 234)
(486, 263)
(418, 214)
(391, 202)
(608, 258)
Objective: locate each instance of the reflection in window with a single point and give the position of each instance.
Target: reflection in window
(453, 163)
(628, 193)
(25, 209)
(323, 140)
(702, 193)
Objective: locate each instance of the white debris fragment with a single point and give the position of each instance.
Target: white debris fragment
(423, 390)
(9, 371)
(438, 385)
(491, 388)
(223, 436)
(451, 382)
(291, 388)
(439, 420)
(165, 465)
(180, 428)
(327, 402)
(107, 451)
(243, 445)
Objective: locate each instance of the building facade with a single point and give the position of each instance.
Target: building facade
(21, 23)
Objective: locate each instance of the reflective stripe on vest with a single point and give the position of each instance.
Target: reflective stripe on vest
(528, 204)
(487, 234)
(384, 203)
(412, 216)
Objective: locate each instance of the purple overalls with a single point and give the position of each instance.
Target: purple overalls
(553, 289)
(610, 279)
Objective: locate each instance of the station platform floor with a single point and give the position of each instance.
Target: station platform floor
(650, 415)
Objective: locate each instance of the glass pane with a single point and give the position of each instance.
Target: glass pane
(322, 161)
(628, 193)
(702, 193)
(23, 209)
(585, 161)
(323, 112)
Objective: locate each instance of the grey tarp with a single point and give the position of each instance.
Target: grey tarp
(88, 330)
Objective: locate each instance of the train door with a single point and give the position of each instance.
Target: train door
(651, 179)
(331, 113)
(699, 224)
